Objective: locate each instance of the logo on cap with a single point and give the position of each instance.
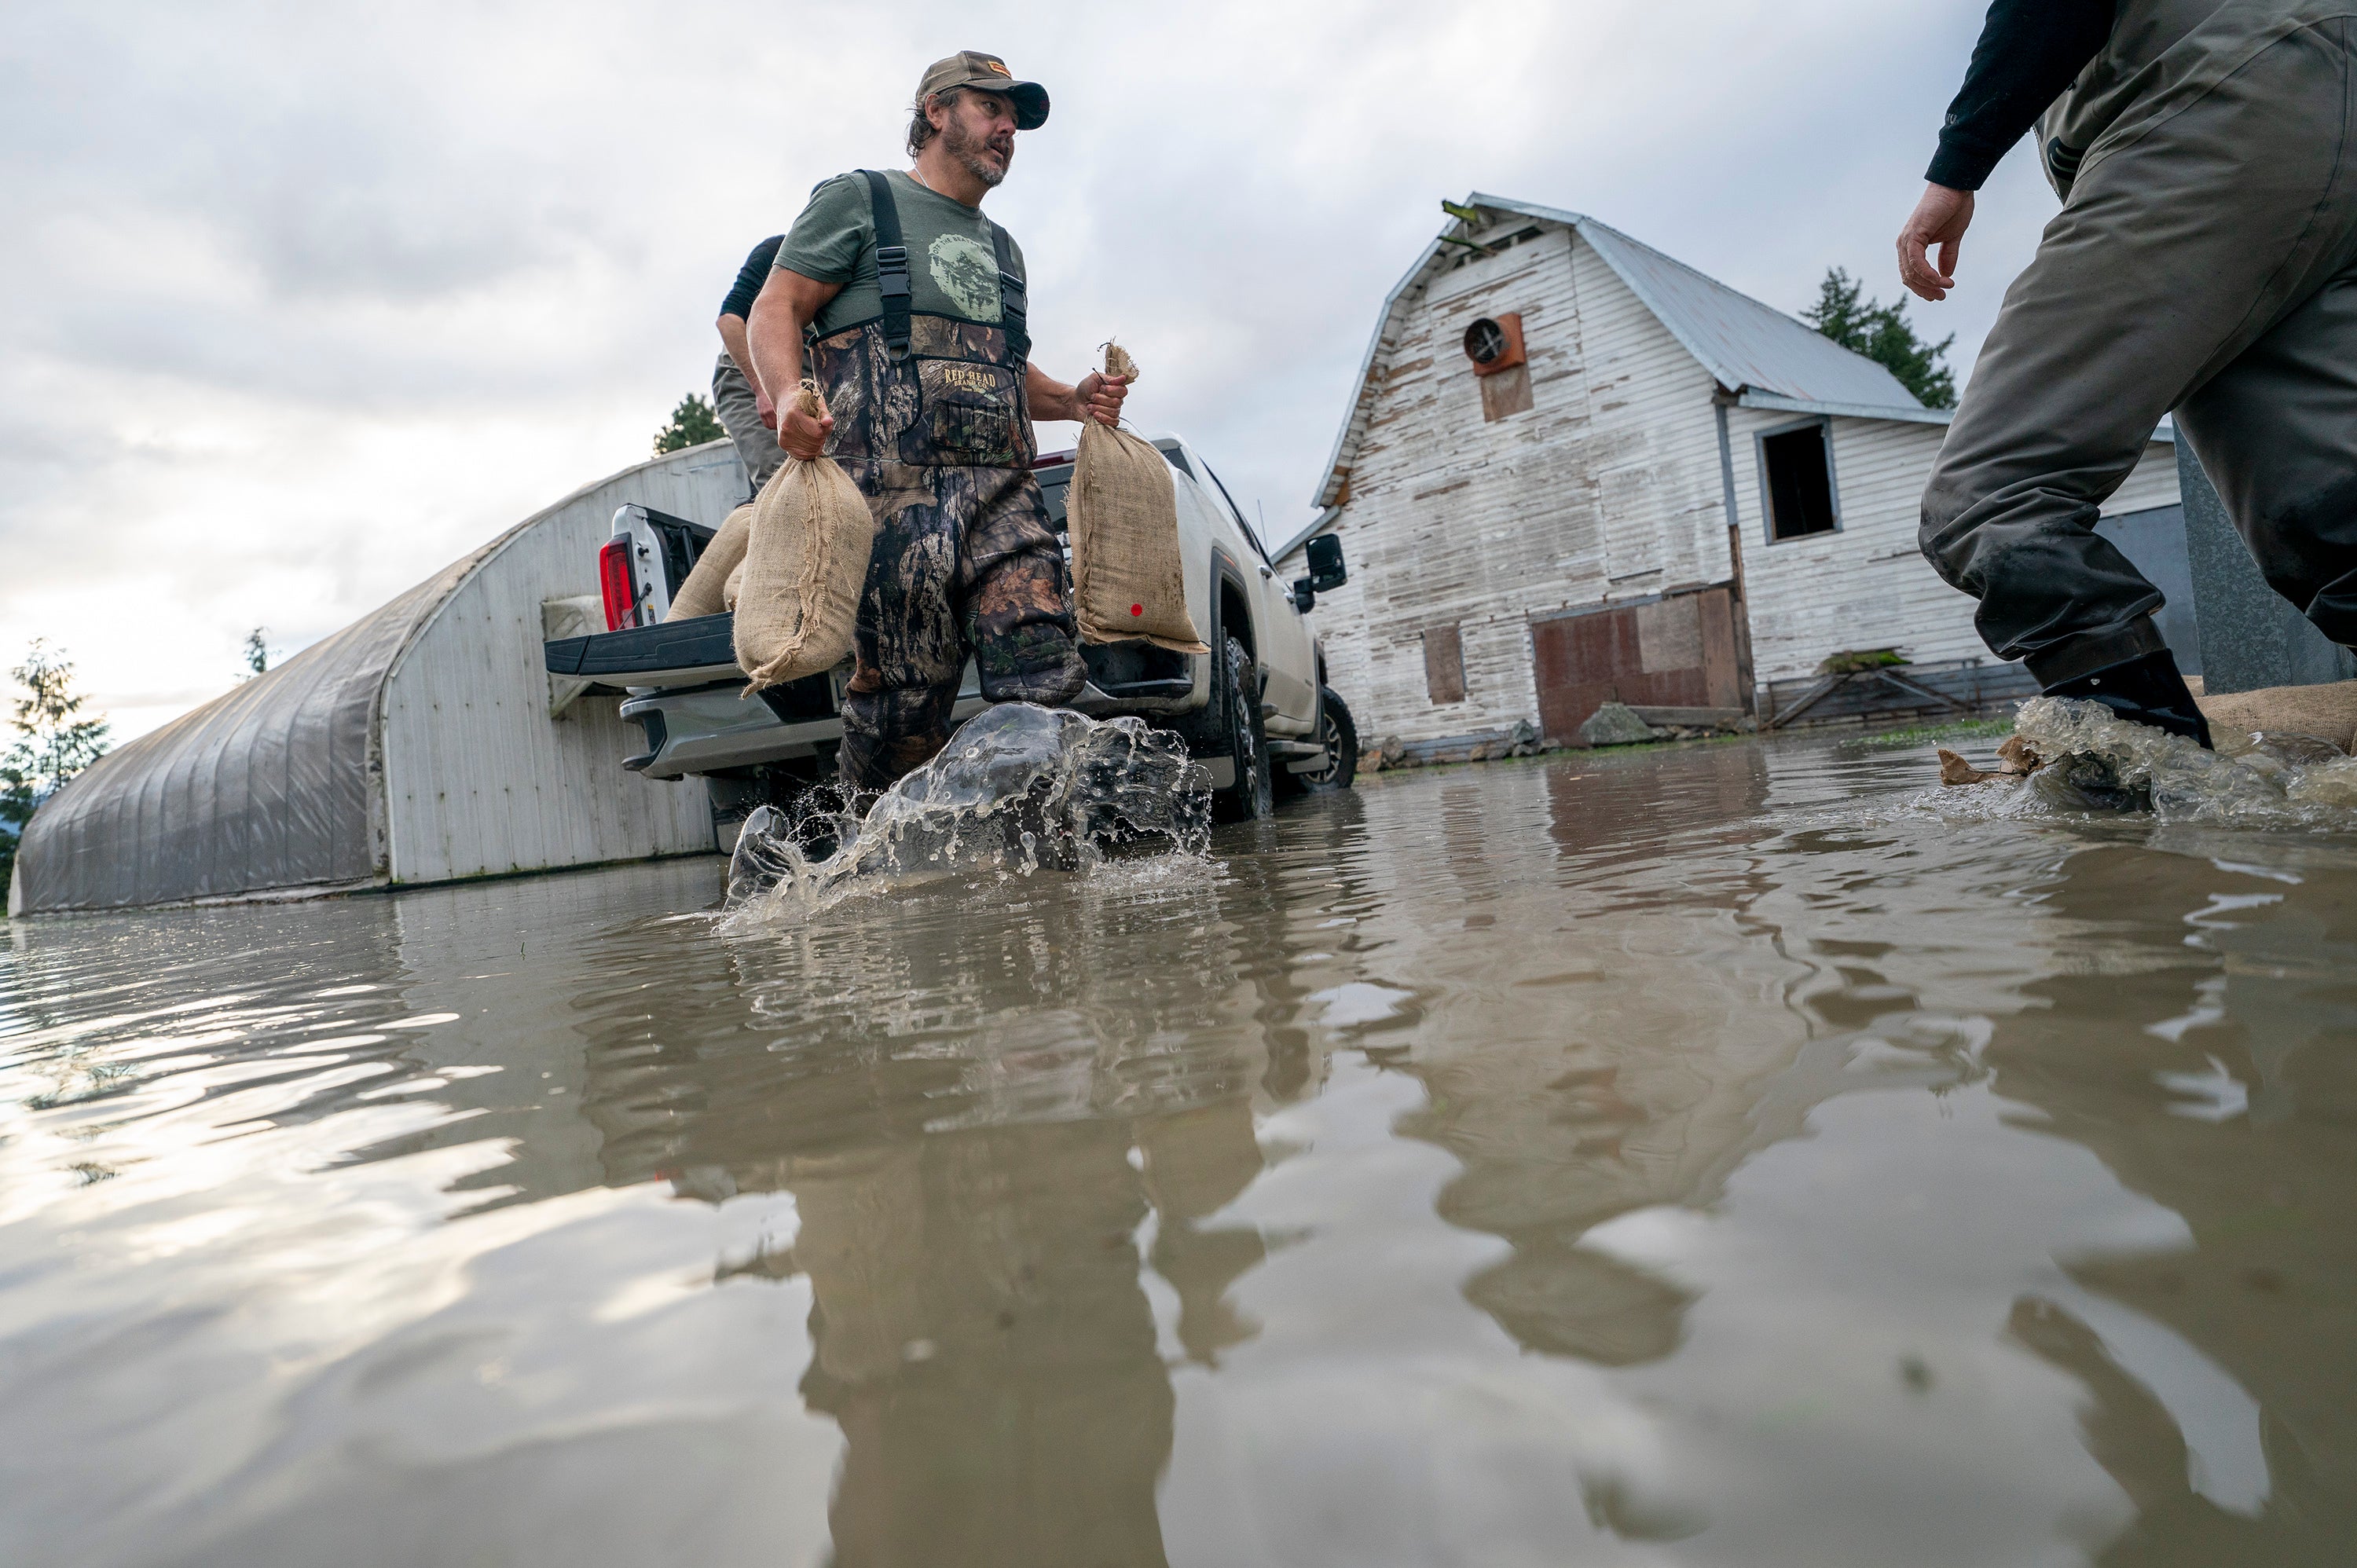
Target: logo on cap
(998, 66)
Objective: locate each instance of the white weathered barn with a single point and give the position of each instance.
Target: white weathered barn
(1654, 488)
(424, 743)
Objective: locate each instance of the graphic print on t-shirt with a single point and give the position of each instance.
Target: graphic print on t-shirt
(966, 272)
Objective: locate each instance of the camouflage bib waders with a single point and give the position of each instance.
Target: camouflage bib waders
(931, 424)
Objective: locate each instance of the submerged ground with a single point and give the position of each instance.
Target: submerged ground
(1738, 1153)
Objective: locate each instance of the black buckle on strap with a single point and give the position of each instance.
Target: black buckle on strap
(892, 282)
(891, 266)
(1014, 301)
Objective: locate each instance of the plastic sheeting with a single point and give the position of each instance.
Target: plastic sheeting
(274, 784)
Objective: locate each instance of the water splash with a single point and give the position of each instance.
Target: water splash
(1020, 789)
(2101, 761)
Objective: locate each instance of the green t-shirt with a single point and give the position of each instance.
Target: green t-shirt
(952, 271)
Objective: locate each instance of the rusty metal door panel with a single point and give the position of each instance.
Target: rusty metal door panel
(1674, 652)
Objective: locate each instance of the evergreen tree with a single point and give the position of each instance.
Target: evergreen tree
(1882, 333)
(257, 653)
(692, 422)
(51, 744)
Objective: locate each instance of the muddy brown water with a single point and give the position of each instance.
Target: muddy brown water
(1725, 1155)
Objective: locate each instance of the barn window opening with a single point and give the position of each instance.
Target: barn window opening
(1798, 475)
(1443, 665)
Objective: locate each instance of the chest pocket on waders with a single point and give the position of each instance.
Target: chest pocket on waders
(966, 411)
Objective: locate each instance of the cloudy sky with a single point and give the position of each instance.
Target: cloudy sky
(307, 300)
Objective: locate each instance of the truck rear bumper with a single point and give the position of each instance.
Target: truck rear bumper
(685, 691)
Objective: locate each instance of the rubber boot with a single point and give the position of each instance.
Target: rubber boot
(2147, 690)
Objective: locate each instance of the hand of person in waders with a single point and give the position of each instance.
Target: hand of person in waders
(1099, 397)
(801, 436)
(1940, 218)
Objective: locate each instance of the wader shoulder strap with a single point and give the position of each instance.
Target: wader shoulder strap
(891, 264)
(1013, 304)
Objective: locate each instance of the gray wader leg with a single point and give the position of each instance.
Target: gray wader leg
(2202, 242)
(741, 415)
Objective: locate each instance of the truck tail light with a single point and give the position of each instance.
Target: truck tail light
(618, 584)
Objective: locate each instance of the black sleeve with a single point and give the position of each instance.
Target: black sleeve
(2029, 51)
(752, 276)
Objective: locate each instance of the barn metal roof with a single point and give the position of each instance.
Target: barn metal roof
(1745, 345)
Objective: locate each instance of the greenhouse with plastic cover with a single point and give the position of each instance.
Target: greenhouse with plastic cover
(424, 743)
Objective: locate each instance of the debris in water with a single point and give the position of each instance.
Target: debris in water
(1955, 769)
(2015, 761)
(1018, 788)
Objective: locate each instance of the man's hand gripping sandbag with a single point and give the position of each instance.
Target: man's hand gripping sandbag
(805, 565)
(1127, 578)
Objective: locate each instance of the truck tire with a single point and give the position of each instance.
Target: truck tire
(1339, 733)
(1236, 694)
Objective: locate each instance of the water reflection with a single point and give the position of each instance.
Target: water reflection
(2235, 1028)
(1711, 1155)
(976, 1128)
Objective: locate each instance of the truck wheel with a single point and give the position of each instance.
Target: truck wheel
(1342, 741)
(1251, 796)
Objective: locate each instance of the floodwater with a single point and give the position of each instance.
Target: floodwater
(1735, 1153)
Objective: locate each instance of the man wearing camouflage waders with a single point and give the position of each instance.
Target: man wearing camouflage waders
(911, 305)
(2204, 262)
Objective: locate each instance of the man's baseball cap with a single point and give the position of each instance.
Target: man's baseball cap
(972, 68)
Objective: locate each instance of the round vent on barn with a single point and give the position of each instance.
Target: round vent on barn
(1494, 344)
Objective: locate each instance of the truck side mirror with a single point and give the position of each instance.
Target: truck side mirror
(1326, 569)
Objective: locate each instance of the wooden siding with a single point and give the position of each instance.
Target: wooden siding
(1868, 585)
(1609, 489)
(477, 779)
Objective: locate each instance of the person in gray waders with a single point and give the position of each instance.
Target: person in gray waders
(2204, 262)
(912, 308)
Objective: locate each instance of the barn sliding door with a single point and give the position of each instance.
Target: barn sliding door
(1675, 652)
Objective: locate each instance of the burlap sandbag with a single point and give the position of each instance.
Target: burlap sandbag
(805, 563)
(1127, 578)
(2328, 711)
(705, 591)
(736, 586)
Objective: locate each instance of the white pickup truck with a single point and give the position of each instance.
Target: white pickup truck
(1256, 710)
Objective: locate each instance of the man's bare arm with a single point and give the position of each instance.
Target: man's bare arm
(787, 304)
(734, 341)
(1098, 396)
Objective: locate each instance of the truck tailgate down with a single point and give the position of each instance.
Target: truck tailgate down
(694, 652)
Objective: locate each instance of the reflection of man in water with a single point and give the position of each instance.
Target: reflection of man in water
(978, 1328)
(980, 1336)
(971, 1170)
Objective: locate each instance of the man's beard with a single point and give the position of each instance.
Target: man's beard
(969, 151)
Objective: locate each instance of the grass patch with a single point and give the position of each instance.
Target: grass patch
(1931, 735)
